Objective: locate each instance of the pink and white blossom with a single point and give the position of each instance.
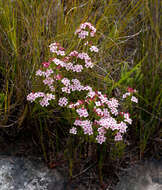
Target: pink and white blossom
(118, 137)
(127, 118)
(63, 102)
(134, 99)
(82, 32)
(100, 139)
(122, 127)
(94, 49)
(126, 94)
(65, 81)
(82, 112)
(73, 130)
(46, 64)
(39, 73)
(66, 89)
(48, 81)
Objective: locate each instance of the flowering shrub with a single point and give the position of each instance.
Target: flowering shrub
(93, 113)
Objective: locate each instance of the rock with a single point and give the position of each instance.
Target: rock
(145, 176)
(19, 173)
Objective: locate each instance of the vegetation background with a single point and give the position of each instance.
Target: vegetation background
(129, 43)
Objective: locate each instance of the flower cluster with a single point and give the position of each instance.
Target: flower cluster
(48, 80)
(71, 66)
(44, 101)
(105, 113)
(95, 113)
(83, 33)
(63, 102)
(86, 125)
(56, 48)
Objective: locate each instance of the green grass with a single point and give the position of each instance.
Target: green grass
(129, 41)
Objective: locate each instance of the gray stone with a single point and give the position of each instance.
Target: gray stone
(145, 176)
(18, 173)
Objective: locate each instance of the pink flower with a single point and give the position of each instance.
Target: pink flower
(113, 103)
(78, 122)
(66, 59)
(48, 72)
(44, 102)
(82, 112)
(74, 53)
(61, 48)
(118, 137)
(94, 49)
(89, 64)
(65, 81)
(73, 130)
(108, 122)
(77, 68)
(52, 88)
(56, 48)
(66, 89)
(134, 99)
(80, 102)
(91, 94)
(101, 139)
(39, 73)
(58, 77)
(99, 112)
(122, 127)
(59, 62)
(126, 94)
(101, 130)
(92, 34)
(98, 103)
(50, 96)
(46, 64)
(106, 113)
(131, 90)
(69, 66)
(48, 81)
(82, 33)
(114, 111)
(53, 47)
(127, 118)
(87, 127)
(63, 102)
(71, 105)
(31, 97)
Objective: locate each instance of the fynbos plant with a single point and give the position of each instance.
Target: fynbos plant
(93, 114)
